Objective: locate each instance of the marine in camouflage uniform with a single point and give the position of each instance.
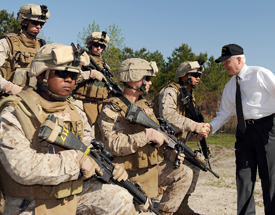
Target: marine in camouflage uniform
(169, 105)
(18, 50)
(147, 165)
(91, 87)
(43, 176)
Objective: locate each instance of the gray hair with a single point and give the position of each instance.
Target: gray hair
(234, 57)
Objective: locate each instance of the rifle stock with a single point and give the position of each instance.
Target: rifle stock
(99, 153)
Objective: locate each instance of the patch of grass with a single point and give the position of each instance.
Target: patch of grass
(226, 140)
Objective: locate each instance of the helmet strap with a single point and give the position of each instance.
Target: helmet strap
(45, 88)
(25, 27)
(189, 81)
(141, 88)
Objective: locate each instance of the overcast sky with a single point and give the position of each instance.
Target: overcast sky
(164, 25)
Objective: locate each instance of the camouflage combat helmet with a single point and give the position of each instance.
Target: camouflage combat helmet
(188, 67)
(33, 12)
(57, 57)
(135, 69)
(100, 37)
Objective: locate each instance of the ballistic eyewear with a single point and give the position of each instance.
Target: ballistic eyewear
(99, 44)
(37, 23)
(195, 75)
(147, 78)
(64, 74)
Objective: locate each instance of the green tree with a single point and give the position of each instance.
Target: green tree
(179, 55)
(8, 23)
(212, 84)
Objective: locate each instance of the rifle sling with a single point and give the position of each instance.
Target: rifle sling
(194, 115)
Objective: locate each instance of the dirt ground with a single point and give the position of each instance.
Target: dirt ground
(219, 196)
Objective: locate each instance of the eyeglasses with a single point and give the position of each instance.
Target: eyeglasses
(99, 44)
(37, 23)
(147, 78)
(64, 74)
(195, 75)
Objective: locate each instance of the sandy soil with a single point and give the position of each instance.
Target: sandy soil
(219, 196)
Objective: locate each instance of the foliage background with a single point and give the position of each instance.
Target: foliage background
(213, 80)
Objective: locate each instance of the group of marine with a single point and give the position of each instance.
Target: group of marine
(52, 97)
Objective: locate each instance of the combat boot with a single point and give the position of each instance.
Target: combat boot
(184, 208)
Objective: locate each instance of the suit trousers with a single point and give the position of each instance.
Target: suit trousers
(255, 149)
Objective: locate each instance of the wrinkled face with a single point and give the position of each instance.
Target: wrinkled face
(233, 66)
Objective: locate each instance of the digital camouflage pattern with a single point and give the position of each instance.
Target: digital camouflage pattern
(176, 182)
(168, 109)
(97, 198)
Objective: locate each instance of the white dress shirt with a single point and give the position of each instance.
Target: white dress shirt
(258, 96)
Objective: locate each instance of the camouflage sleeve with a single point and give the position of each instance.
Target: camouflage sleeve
(24, 164)
(168, 109)
(4, 51)
(114, 136)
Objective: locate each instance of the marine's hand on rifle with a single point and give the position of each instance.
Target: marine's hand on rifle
(145, 207)
(94, 74)
(119, 173)
(155, 136)
(171, 155)
(88, 166)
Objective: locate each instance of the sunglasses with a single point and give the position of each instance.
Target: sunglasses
(37, 23)
(99, 44)
(147, 78)
(195, 75)
(64, 74)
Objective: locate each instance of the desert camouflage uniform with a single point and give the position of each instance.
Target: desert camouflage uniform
(4, 53)
(25, 165)
(169, 110)
(176, 182)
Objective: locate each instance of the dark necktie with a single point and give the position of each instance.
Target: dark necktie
(239, 108)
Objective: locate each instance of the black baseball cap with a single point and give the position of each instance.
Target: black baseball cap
(228, 51)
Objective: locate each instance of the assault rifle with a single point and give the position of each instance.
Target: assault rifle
(108, 74)
(99, 153)
(135, 115)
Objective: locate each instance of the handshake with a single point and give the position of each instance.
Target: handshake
(202, 130)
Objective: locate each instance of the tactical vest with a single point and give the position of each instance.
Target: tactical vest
(92, 89)
(181, 109)
(22, 52)
(141, 165)
(146, 156)
(31, 100)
